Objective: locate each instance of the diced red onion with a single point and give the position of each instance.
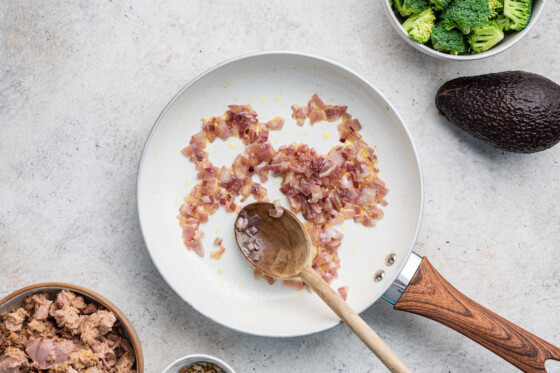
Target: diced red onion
(257, 274)
(335, 112)
(218, 253)
(327, 189)
(343, 291)
(277, 211)
(251, 231)
(296, 284)
(275, 124)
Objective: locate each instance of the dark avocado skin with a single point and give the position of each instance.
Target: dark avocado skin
(512, 110)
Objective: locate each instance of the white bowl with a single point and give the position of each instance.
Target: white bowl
(510, 40)
(185, 361)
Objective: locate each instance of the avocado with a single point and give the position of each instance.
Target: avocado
(515, 111)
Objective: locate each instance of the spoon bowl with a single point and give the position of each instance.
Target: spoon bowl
(284, 245)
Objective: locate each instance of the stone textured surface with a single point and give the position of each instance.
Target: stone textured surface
(81, 84)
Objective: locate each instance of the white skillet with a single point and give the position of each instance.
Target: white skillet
(376, 262)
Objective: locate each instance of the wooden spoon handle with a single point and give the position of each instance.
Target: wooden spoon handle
(430, 295)
(354, 321)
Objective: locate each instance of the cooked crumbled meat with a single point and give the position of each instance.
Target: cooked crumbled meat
(16, 353)
(45, 353)
(93, 370)
(67, 317)
(42, 329)
(96, 325)
(89, 309)
(64, 335)
(67, 298)
(41, 307)
(126, 346)
(125, 363)
(84, 358)
(15, 320)
(12, 359)
(37, 326)
(105, 351)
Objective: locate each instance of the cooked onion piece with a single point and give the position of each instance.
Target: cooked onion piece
(277, 211)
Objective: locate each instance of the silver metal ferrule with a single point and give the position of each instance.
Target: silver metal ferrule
(394, 293)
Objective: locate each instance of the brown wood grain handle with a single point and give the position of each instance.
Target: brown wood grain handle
(430, 295)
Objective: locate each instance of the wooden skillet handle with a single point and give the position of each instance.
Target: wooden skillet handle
(430, 295)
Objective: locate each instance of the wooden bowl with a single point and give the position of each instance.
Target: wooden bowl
(15, 300)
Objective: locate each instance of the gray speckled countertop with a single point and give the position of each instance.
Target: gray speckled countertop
(81, 84)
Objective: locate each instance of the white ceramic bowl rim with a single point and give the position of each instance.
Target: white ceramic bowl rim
(505, 44)
(185, 361)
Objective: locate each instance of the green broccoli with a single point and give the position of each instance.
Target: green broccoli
(408, 7)
(464, 14)
(503, 22)
(518, 12)
(449, 41)
(496, 7)
(485, 37)
(440, 4)
(419, 26)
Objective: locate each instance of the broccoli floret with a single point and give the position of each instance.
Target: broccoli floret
(518, 12)
(503, 22)
(464, 14)
(449, 41)
(408, 7)
(485, 37)
(419, 26)
(496, 7)
(440, 4)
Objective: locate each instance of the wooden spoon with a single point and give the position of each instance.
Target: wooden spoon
(285, 251)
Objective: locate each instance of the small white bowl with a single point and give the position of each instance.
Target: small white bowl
(509, 41)
(185, 361)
